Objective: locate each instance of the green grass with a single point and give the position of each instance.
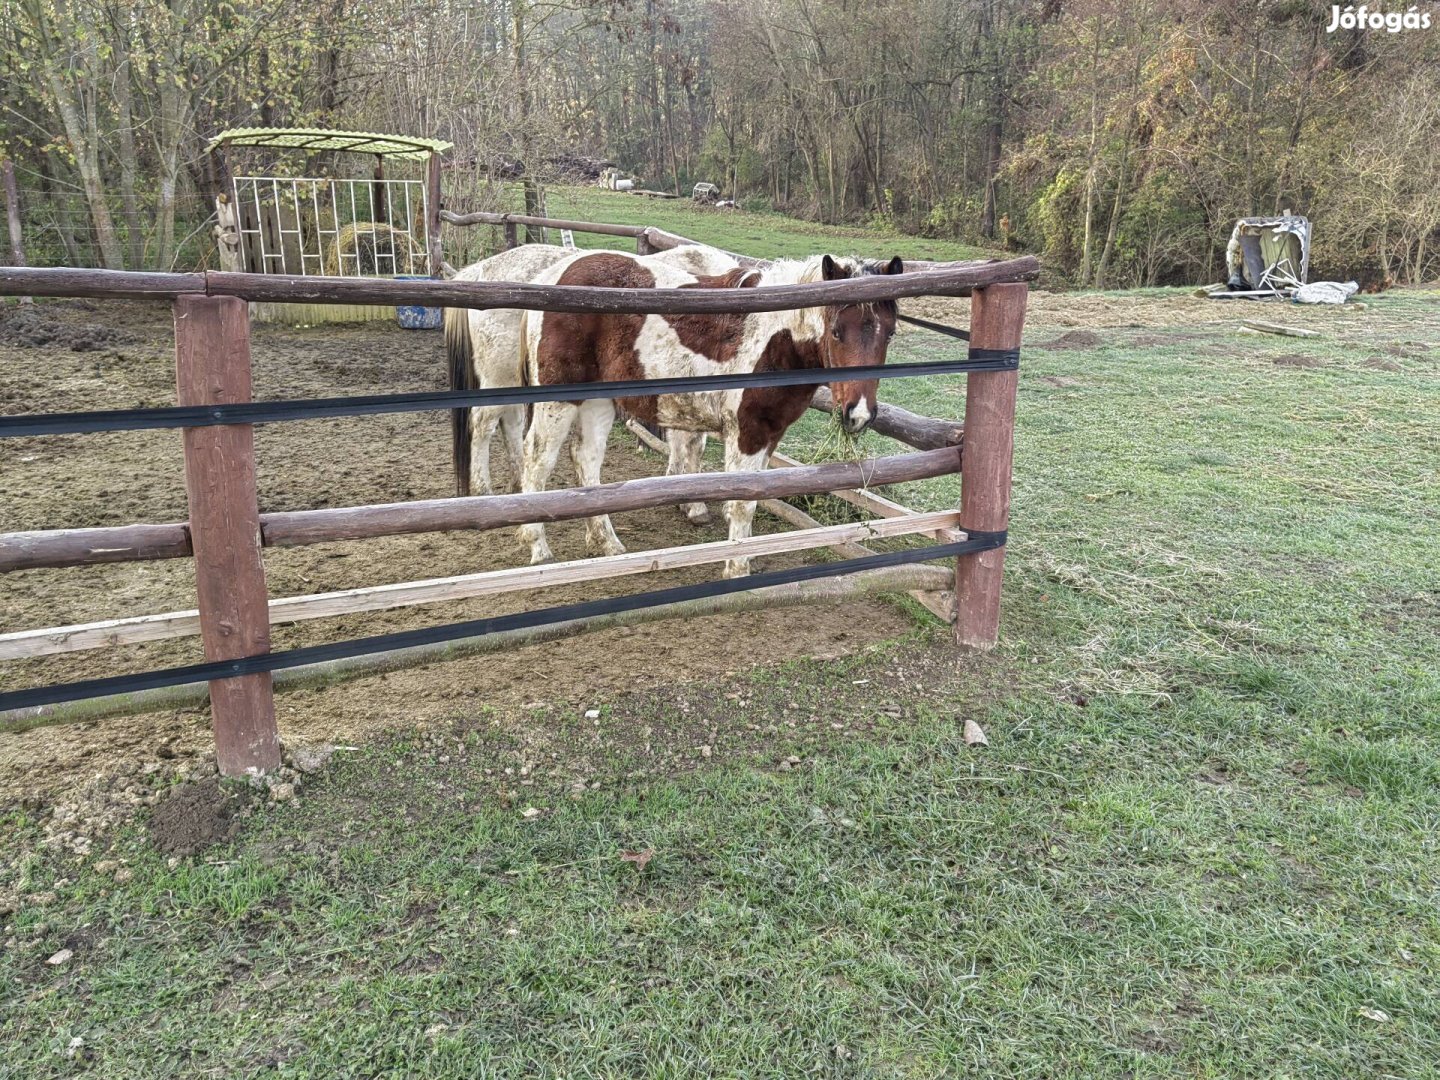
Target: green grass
(1201, 843)
(763, 235)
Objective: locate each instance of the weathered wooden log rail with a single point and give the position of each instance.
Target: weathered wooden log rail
(486, 218)
(959, 279)
(295, 528)
(225, 533)
(902, 425)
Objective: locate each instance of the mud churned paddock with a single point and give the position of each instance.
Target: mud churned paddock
(73, 355)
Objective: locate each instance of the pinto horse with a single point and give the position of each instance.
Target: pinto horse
(482, 348)
(576, 348)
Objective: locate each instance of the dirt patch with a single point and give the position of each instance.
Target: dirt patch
(199, 815)
(1295, 360)
(1073, 339)
(1060, 380)
(1410, 350)
(1380, 363)
(38, 327)
(77, 481)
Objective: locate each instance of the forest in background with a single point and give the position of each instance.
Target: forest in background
(1119, 139)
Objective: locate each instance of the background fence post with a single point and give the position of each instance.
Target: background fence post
(435, 254)
(643, 245)
(997, 319)
(212, 367)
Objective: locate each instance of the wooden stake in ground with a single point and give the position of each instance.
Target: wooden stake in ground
(12, 217)
(212, 367)
(996, 322)
(1276, 328)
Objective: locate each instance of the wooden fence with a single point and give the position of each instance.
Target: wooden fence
(225, 533)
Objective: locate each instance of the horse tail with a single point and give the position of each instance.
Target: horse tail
(460, 354)
(522, 340)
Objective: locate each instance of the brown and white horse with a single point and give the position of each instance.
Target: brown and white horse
(483, 351)
(577, 348)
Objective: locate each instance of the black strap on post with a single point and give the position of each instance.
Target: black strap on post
(430, 635)
(939, 328)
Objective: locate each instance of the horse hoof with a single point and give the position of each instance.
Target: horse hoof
(539, 558)
(698, 517)
(735, 570)
(616, 548)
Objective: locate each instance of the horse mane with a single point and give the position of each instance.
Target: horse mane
(810, 270)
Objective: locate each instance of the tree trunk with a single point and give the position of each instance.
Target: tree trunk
(1085, 259)
(80, 128)
(127, 159)
(12, 218)
(1115, 213)
(995, 120)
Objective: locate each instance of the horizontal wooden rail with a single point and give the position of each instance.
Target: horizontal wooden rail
(485, 218)
(78, 547)
(869, 500)
(86, 547)
(500, 511)
(941, 604)
(958, 280)
(660, 240)
(174, 624)
(902, 425)
(827, 590)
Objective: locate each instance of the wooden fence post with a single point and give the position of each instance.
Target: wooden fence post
(997, 320)
(433, 206)
(512, 235)
(643, 245)
(212, 367)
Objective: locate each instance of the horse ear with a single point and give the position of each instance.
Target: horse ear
(750, 280)
(830, 270)
(896, 266)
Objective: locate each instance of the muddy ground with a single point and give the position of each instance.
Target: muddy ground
(76, 355)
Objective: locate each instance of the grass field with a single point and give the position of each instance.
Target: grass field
(763, 235)
(1201, 843)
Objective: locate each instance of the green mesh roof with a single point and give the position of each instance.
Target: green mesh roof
(358, 142)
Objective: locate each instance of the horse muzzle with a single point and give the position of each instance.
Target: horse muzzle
(856, 417)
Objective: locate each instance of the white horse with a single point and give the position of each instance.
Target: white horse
(483, 351)
(564, 348)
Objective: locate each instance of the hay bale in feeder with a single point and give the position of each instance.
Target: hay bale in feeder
(376, 248)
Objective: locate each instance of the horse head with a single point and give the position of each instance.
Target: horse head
(857, 335)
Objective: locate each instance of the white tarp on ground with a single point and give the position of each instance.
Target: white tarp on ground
(1326, 292)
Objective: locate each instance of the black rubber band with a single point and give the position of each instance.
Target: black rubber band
(260, 412)
(431, 635)
(939, 328)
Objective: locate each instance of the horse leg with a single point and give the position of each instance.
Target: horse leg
(740, 514)
(482, 431)
(543, 443)
(587, 450)
(685, 450)
(512, 429)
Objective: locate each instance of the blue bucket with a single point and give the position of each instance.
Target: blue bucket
(414, 316)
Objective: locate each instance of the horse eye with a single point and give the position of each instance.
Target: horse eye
(835, 332)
